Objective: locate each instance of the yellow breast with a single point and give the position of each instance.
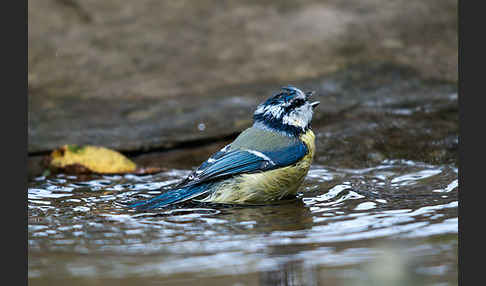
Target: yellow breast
(267, 186)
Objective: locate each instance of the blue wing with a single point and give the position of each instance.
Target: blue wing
(227, 163)
(224, 164)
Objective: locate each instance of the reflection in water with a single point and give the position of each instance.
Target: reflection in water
(78, 227)
(291, 216)
(292, 273)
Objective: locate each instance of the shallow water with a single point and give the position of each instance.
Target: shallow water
(393, 224)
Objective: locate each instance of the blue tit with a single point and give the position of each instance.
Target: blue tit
(265, 163)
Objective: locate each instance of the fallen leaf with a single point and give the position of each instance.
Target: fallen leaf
(89, 159)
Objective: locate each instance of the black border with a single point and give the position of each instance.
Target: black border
(15, 133)
(469, 84)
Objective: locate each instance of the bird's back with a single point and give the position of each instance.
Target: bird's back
(255, 138)
(269, 185)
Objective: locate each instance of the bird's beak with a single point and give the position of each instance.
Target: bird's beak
(308, 96)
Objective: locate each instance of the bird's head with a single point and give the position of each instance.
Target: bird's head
(289, 111)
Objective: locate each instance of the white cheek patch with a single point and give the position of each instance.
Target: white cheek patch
(293, 120)
(300, 117)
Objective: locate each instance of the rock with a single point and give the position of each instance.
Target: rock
(386, 110)
(371, 114)
(367, 113)
(136, 124)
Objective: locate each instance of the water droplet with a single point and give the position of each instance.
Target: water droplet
(201, 126)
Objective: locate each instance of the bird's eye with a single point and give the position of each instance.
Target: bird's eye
(299, 102)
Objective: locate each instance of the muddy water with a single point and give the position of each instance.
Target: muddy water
(392, 224)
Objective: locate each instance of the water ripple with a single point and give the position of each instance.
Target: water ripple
(340, 215)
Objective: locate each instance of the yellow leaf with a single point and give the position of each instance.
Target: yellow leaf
(95, 159)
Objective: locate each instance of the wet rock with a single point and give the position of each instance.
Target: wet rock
(368, 112)
(137, 124)
(386, 112)
(182, 158)
(371, 113)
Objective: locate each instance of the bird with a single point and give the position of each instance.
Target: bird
(265, 163)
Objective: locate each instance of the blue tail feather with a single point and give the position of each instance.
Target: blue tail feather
(171, 197)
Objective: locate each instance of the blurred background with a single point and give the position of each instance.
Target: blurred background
(155, 75)
(169, 82)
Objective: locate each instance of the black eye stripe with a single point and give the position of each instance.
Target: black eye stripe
(299, 102)
(296, 103)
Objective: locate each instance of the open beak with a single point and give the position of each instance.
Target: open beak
(308, 96)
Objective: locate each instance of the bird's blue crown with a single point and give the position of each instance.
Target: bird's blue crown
(288, 111)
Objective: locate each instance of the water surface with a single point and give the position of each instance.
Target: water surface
(396, 221)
